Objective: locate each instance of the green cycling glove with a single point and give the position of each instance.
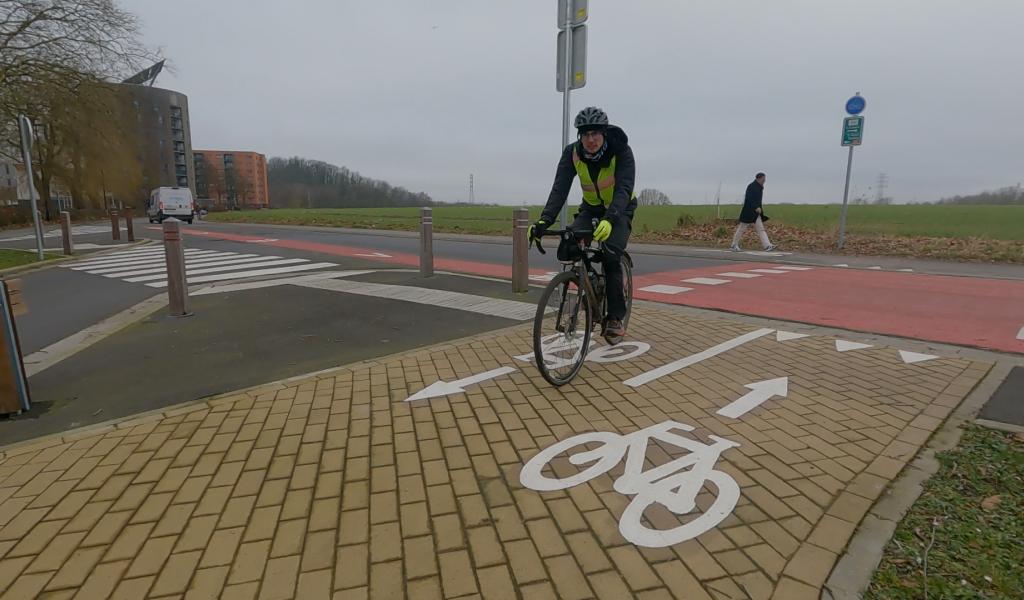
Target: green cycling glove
(603, 231)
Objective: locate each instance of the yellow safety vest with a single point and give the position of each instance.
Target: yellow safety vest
(604, 190)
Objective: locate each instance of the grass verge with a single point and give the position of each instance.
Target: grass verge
(17, 258)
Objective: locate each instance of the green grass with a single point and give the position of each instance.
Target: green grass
(17, 258)
(977, 552)
(945, 221)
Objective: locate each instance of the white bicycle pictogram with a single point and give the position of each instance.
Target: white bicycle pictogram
(674, 485)
(560, 350)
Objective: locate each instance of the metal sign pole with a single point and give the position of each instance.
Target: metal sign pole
(26, 154)
(567, 81)
(846, 195)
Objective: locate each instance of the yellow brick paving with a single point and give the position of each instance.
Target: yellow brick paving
(333, 487)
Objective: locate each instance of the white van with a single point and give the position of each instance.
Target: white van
(170, 202)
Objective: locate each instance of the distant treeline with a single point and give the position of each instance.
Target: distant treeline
(1007, 195)
(303, 183)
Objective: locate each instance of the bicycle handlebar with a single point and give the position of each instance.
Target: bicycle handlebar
(559, 232)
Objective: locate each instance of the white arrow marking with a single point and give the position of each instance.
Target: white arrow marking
(785, 336)
(845, 346)
(1020, 334)
(375, 255)
(914, 357)
(443, 388)
(758, 394)
(682, 363)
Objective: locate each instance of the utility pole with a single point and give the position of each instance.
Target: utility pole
(472, 196)
(718, 201)
(883, 181)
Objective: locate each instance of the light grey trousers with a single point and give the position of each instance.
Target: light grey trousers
(761, 233)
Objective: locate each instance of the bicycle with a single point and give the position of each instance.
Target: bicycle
(674, 485)
(576, 300)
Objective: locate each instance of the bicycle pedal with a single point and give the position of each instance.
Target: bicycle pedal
(613, 339)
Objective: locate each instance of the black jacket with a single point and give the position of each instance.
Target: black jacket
(623, 202)
(751, 202)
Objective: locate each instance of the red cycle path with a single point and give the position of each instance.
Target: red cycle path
(966, 311)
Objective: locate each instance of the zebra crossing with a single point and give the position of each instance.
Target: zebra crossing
(147, 266)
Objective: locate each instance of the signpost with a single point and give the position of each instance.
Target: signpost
(853, 134)
(26, 154)
(571, 60)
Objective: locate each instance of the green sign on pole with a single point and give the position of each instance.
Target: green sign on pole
(853, 131)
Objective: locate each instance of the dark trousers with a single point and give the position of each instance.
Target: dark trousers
(614, 246)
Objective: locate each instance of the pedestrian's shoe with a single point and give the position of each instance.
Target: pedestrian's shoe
(614, 331)
(771, 247)
(735, 249)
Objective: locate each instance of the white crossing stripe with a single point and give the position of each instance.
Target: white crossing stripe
(770, 271)
(793, 268)
(148, 266)
(738, 275)
(508, 309)
(706, 281)
(255, 273)
(665, 289)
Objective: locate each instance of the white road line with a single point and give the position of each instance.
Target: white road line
(915, 357)
(785, 336)
(738, 275)
(875, 268)
(132, 261)
(508, 309)
(665, 289)
(1020, 334)
(845, 346)
(770, 271)
(682, 363)
(759, 393)
(792, 268)
(217, 262)
(706, 281)
(265, 283)
(841, 265)
(203, 271)
(161, 262)
(256, 273)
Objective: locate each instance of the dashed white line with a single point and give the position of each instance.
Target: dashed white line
(794, 268)
(769, 271)
(665, 289)
(738, 275)
(706, 281)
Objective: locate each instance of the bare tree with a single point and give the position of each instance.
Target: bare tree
(652, 197)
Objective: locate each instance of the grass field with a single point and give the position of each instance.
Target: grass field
(17, 258)
(942, 221)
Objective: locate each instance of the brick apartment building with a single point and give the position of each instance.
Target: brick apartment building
(228, 179)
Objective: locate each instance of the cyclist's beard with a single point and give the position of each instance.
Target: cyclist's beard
(597, 155)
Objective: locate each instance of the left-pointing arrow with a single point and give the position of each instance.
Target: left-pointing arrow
(758, 394)
(443, 388)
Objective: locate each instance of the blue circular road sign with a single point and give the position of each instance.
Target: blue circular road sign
(855, 105)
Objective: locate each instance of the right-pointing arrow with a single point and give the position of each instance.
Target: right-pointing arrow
(758, 394)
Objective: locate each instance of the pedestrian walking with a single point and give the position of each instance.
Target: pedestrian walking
(753, 213)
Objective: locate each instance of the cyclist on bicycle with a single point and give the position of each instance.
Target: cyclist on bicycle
(604, 163)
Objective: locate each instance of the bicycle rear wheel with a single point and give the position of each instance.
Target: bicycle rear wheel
(561, 329)
(627, 286)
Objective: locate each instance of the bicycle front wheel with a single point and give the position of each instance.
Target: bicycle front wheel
(561, 329)
(627, 287)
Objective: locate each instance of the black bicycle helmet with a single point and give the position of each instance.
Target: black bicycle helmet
(591, 118)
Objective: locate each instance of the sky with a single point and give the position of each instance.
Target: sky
(422, 94)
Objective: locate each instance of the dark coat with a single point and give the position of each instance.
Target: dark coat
(623, 203)
(751, 202)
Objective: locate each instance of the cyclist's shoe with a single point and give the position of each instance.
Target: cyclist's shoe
(614, 331)
(735, 249)
(771, 247)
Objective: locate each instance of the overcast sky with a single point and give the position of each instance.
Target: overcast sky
(423, 93)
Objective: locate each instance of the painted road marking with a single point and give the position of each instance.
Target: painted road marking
(793, 268)
(1020, 334)
(160, 266)
(205, 269)
(665, 289)
(845, 346)
(134, 260)
(739, 275)
(915, 357)
(682, 363)
(841, 265)
(875, 268)
(508, 309)
(769, 271)
(443, 388)
(244, 274)
(759, 393)
(375, 255)
(706, 281)
(161, 263)
(265, 283)
(785, 336)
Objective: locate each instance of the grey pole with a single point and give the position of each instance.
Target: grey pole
(26, 154)
(65, 230)
(567, 85)
(520, 250)
(115, 225)
(846, 194)
(177, 283)
(426, 242)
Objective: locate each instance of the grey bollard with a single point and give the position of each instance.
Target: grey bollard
(520, 251)
(426, 242)
(65, 233)
(115, 225)
(177, 284)
(129, 225)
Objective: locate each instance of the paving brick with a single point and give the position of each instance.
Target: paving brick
(76, 568)
(420, 557)
(790, 589)
(681, 582)
(150, 560)
(634, 568)
(352, 567)
(221, 548)
(496, 583)
(457, 576)
(547, 538)
(318, 551)
(570, 581)
(176, 574)
(428, 589)
(525, 562)
(289, 538)
(250, 562)
(103, 579)
(280, 578)
(314, 585)
(811, 565)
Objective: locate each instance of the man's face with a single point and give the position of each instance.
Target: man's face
(761, 180)
(592, 140)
